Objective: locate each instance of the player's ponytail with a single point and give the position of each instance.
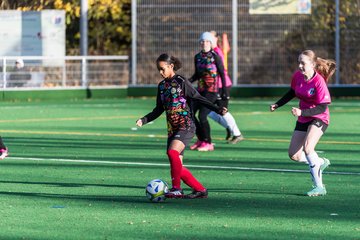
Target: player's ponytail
(325, 67)
(169, 60)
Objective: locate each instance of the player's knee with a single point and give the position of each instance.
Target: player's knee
(295, 157)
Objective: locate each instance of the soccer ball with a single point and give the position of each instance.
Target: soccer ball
(156, 189)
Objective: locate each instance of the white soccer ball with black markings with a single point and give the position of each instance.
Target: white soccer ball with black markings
(156, 190)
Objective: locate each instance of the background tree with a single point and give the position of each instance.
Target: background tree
(319, 34)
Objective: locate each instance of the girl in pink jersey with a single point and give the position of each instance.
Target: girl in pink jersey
(233, 135)
(309, 85)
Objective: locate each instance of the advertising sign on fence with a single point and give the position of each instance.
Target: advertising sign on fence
(280, 7)
(32, 33)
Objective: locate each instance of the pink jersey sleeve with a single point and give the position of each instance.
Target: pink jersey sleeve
(322, 93)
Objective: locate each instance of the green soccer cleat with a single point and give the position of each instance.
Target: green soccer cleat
(317, 191)
(325, 164)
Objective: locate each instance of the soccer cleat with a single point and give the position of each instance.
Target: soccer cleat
(236, 139)
(228, 135)
(325, 164)
(206, 147)
(174, 193)
(197, 194)
(196, 145)
(317, 191)
(4, 153)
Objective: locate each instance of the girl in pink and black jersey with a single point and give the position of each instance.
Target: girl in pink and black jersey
(208, 66)
(175, 95)
(309, 85)
(233, 135)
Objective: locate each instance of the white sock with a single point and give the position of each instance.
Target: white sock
(303, 158)
(232, 124)
(218, 118)
(314, 164)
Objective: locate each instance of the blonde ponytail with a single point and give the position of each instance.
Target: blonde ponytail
(325, 67)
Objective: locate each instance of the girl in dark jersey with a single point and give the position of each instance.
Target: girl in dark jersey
(309, 85)
(174, 96)
(208, 66)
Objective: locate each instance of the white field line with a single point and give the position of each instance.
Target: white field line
(188, 165)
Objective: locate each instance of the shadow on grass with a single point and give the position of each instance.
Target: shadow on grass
(118, 198)
(265, 202)
(67, 143)
(72, 185)
(253, 191)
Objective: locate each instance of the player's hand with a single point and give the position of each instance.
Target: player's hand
(296, 111)
(139, 123)
(273, 107)
(223, 111)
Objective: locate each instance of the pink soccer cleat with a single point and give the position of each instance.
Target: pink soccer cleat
(196, 145)
(206, 147)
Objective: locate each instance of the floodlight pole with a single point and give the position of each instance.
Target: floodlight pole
(234, 44)
(337, 42)
(133, 41)
(84, 28)
(84, 40)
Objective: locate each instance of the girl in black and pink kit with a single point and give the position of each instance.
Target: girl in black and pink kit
(175, 95)
(309, 85)
(209, 68)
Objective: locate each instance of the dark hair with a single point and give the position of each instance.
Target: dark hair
(169, 60)
(325, 67)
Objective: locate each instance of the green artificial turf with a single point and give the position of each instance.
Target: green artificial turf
(78, 170)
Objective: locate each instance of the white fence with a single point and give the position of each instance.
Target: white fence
(64, 72)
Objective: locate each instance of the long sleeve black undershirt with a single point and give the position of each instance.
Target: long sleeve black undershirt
(286, 98)
(314, 111)
(304, 112)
